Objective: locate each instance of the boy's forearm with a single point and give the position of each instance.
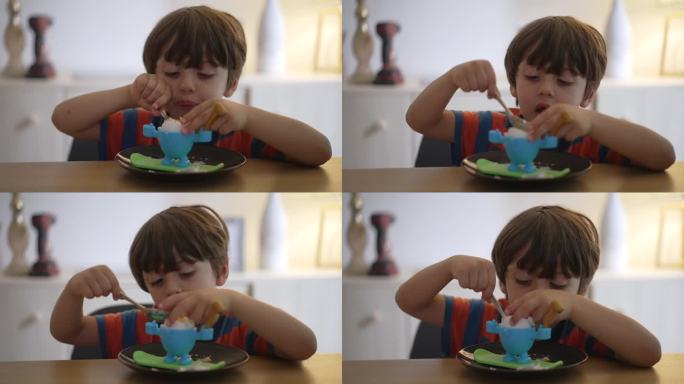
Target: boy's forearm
(79, 114)
(418, 296)
(297, 140)
(427, 109)
(630, 340)
(643, 146)
(67, 320)
(291, 338)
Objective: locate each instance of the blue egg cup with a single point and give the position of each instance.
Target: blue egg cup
(176, 145)
(518, 341)
(521, 151)
(178, 342)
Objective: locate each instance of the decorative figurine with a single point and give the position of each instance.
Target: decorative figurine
(14, 41)
(42, 68)
(362, 46)
(17, 236)
(384, 264)
(389, 74)
(45, 266)
(356, 238)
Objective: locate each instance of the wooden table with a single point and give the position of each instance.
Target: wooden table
(317, 369)
(107, 176)
(600, 178)
(670, 369)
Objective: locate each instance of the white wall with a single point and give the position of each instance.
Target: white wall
(98, 228)
(432, 226)
(106, 37)
(438, 34)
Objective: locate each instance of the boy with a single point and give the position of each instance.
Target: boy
(193, 58)
(179, 256)
(543, 254)
(554, 66)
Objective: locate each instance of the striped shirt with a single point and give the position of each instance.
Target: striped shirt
(121, 330)
(464, 325)
(124, 129)
(471, 135)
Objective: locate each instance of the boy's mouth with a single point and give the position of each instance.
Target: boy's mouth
(541, 107)
(186, 104)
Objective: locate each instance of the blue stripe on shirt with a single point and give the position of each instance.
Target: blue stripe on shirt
(446, 325)
(130, 126)
(456, 153)
(102, 144)
(483, 128)
(473, 325)
(250, 341)
(129, 325)
(102, 335)
(257, 147)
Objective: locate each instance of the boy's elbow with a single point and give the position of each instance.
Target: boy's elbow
(320, 154)
(411, 120)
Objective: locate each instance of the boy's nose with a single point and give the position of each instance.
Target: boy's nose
(187, 84)
(546, 88)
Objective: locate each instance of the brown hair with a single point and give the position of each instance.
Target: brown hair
(554, 42)
(191, 233)
(552, 237)
(195, 33)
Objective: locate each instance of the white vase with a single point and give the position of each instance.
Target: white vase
(618, 42)
(271, 58)
(274, 235)
(613, 236)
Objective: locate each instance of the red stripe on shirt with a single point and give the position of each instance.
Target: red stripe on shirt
(114, 333)
(471, 121)
(143, 117)
(459, 318)
(114, 134)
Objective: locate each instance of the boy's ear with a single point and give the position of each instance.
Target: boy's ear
(229, 91)
(502, 285)
(222, 275)
(513, 91)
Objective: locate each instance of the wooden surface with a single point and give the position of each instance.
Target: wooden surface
(317, 369)
(600, 178)
(670, 369)
(107, 176)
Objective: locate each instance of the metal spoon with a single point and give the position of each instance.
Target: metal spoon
(154, 314)
(498, 307)
(516, 121)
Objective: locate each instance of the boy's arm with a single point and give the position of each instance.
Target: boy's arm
(632, 342)
(297, 140)
(68, 325)
(641, 145)
(80, 116)
(427, 114)
(419, 296)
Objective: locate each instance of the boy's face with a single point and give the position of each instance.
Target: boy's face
(518, 282)
(188, 277)
(537, 90)
(191, 86)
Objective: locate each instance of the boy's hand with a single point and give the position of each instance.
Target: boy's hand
(219, 115)
(98, 281)
(538, 303)
(562, 120)
(477, 75)
(474, 273)
(201, 306)
(150, 92)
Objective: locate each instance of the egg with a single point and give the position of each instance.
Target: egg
(515, 132)
(522, 323)
(171, 125)
(181, 323)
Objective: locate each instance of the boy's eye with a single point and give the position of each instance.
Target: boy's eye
(171, 74)
(187, 274)
(558, 286)
(206, 75)
(156, 283)
(531, 77)
(564, 82)
(523, 282)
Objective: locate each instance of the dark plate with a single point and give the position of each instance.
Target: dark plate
(205, 153)
(233, 357)
(571, 357)
(551, 159)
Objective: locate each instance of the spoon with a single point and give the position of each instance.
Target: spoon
(516, 121)
(498, 307)
(154, 314)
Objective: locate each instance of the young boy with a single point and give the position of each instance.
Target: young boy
(544, 254)
(554, 66)
(193, 57)
(179, 256)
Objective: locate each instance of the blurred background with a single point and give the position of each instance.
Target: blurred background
(285, 249)
(646, 86)
(94, 46)
(641, 257)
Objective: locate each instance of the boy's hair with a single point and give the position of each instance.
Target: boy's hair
(190, 233)
(557, 42)
(555, 239)
(192, 34)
